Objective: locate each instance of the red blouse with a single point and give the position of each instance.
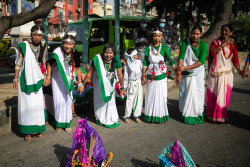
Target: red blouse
(214, 51)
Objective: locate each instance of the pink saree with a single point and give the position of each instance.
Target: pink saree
(220, 82)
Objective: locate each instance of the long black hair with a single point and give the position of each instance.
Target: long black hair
(112, 46)
(42, 47)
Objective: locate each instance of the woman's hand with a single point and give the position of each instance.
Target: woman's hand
(178, 79)
(15, 84)
(144, 81)
(46, 81)
(123, 92)
(80, 89)
(182, 68)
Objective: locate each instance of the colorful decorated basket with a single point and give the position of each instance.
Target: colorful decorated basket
(175, 155)
(87, 148)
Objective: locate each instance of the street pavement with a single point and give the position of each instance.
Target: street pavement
(138, 145)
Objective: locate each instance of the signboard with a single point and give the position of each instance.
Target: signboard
(60, 5)
(14, 7)
(27, 6)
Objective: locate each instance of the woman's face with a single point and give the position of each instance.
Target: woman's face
(225, 32)
(157, 38)
(195, 35)
(108, 54)
(36, 38)
(68, 47)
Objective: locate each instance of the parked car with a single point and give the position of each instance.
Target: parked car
(51, 47)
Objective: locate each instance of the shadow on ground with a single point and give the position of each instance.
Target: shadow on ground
(239, 120)
(147, 163)
(62, 154)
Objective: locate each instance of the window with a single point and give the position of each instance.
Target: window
(70, 15)
(71, 2)
(79, 3)
(90, 6)
(99, 35)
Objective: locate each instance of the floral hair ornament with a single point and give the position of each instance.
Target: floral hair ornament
(39, 32)
(69, 39)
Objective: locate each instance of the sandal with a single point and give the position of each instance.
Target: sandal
(58, 129)
(39, 135)
(68, 130)
(27, 138)
(46, 122)
(74, 114)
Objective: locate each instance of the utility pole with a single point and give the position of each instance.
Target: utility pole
(117, 27)
(143, 9)
(105, 1)
(85, 31)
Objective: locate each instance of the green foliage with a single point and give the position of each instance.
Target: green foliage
(57, 39)
(4, 45)
(241, 26)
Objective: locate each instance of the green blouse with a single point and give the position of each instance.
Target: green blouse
(200, 53)
(164, 52)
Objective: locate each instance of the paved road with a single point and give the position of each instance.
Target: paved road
(137, 145)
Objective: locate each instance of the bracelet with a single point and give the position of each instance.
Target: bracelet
(122, 88)
(143, 76)
(80, 85)
(84, 83)
(15, 79)
(185, 68)
(178, 73)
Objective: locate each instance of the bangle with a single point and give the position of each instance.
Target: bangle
(80, 85)
(84, 83)
(122, 88)
(185, 68)
(15, 79)
(178, 73)
(143, 76)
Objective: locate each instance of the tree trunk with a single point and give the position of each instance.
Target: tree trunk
(223, 15)
(41, 11)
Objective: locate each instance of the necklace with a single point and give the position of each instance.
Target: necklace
(157, 52)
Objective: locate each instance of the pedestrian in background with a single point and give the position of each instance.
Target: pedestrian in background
(244, 72)
(132, 83)
(29, 78)
(156, 54)
(141, 38)
(190, 77)
(222, 52)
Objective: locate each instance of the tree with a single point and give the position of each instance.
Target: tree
(223, 15)
(41, 11)
(219, 12)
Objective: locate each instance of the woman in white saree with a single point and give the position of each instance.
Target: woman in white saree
(156, 54)
(190, 76)
(62, 63)
(103, 70)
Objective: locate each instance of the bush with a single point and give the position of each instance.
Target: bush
(4, 45)
(241, 26)
(57, 39)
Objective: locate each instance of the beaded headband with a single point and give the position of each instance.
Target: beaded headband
(157, 32)
(69, 39)
(39, 32)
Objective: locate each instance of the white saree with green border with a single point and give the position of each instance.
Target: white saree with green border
(104, 97)
(156, 109)
(62, 84)
(30, 95)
